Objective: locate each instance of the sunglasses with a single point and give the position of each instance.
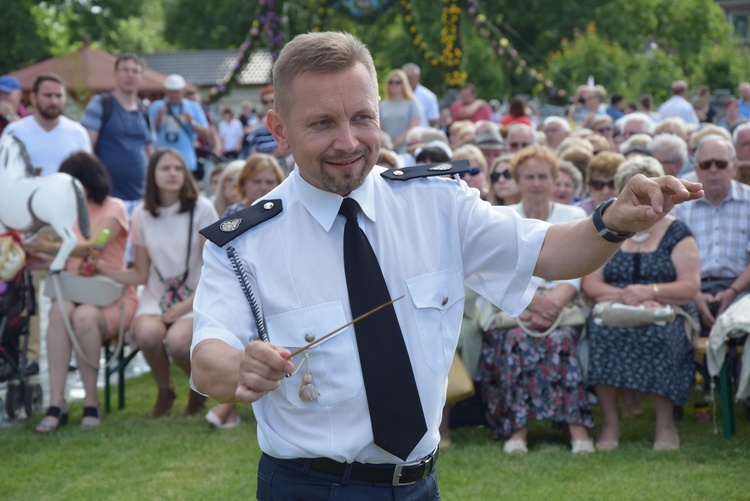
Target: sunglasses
(519, 145)
(472, 172)
(720, 164)
(267, 101)
(600, 185)
(394, 82)
(495, 176)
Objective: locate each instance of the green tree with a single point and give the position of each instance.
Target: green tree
(18, 36)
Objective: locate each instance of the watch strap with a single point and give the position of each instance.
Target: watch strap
(615, 237)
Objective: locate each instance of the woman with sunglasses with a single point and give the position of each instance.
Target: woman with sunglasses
(525, 377)
(477, 175)
(399, 109)
(503, 188)
(600, 179)
(654, 268)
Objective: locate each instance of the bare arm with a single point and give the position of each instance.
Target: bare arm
(93, 137)
(81, 249)
(135, 276)
(575, 249)
(467, 111)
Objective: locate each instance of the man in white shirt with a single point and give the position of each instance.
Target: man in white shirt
(678, 106)
(427, 99)
(430, 237)
(49, 136)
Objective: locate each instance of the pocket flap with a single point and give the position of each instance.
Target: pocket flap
(440, 289)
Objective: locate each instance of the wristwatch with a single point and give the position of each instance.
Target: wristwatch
(615, 237)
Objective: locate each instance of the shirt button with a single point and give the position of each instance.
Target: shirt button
(309, 337)
(445, 300)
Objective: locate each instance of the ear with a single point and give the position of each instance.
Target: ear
(276, 126)
(32, 98)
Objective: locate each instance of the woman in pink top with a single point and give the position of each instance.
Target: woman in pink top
(91, 324)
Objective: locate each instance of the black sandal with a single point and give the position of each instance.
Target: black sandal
(55, 412)
(92, 412)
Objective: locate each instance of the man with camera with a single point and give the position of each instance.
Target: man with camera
(178, 121)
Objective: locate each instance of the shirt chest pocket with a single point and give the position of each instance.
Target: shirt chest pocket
(334, 363)
(438, 299)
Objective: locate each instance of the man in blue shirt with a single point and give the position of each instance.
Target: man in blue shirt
(178, 121)
(119, 131)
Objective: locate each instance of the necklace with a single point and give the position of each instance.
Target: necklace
(639, 238)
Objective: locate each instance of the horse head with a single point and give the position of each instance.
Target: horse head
(14, 159)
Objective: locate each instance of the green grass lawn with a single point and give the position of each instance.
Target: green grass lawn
(132, 457)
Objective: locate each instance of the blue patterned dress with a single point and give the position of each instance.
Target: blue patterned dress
(653, 359)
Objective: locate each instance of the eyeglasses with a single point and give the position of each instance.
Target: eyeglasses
(720, 164)
(495, 176)
(394, 82)
(519, 145)
(604, 130)
(472, 172)
(600, 185)
(267, 102)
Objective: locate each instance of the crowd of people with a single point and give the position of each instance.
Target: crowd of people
(135, 165)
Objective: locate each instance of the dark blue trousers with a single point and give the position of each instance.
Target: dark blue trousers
(281, 480)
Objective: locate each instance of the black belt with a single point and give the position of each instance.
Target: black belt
(393, 474)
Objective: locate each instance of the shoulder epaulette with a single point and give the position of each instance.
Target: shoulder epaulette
(224, 230)
(428, 170)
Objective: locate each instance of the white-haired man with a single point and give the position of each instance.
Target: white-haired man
(520, 136)
(671, 151)
(632, 124)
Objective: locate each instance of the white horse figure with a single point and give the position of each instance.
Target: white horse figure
(27, 202)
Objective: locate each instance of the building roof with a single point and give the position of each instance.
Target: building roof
(210, 67)
(86, 69)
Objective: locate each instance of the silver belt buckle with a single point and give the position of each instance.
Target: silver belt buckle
(399, 467)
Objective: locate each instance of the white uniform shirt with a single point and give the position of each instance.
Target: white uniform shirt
(48, 148)
(430, 235)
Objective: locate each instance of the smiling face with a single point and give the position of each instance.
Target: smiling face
(332, 128)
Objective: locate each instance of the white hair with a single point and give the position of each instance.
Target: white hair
(738, 129)
(519, 126)
(647, 122)
(559, 120)
(715, 138)
(673, 145)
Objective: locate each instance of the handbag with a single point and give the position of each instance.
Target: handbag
(176, 289)
(96, 290)
(460, 385)
(572, 314)
(613, 314)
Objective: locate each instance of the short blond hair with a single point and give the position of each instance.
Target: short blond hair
(604, 164)
(320, 53)
(471, 152)
(534, 151)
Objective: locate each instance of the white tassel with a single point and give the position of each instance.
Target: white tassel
(308, 392)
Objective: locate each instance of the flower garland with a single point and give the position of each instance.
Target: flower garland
(451, 55)
(270, 24)
(502, 47)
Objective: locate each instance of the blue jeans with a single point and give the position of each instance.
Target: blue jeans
(281, 480)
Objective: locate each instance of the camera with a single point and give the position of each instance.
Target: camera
(171, 137)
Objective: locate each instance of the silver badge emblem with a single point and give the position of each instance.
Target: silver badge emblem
(441, 167)
(398, 173)
(268, 205)
(231, 225)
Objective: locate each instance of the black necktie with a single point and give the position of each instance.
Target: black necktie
(396, 414)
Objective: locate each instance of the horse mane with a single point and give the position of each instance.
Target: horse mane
(28, 168)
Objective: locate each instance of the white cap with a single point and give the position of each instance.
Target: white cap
(174, 82)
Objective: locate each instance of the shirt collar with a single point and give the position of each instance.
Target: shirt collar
(324, 205)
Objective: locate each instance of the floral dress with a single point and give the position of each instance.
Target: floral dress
(529, 378)
(653, 359)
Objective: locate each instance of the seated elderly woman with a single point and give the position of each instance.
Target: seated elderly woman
(525, 376)
(568, 183)
(600, 182)
(477, 176)
(653, 268)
